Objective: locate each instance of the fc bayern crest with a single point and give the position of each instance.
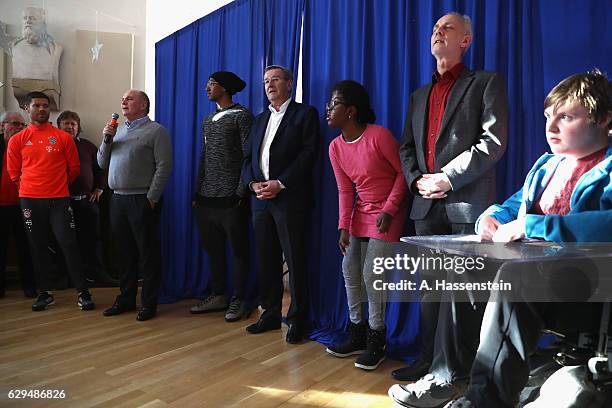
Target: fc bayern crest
(52, 140)
(27, 213)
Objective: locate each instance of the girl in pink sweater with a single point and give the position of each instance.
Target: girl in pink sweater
(373, 207)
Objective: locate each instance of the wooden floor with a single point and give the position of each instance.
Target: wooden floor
(174, 360)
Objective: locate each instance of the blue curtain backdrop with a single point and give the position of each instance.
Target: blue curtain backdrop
(384, 45)
(283, 29)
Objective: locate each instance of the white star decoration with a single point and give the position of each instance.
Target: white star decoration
(95, 50)
(5, 40)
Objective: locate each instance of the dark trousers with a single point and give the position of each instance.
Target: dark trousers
(435, 223)
(278, 232)
(510, 333)
(46, 216)
(11, 223)
(217, 226)
(87, 218)
(137, 248)
(457, 330)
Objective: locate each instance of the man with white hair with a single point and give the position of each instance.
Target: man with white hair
(277, 169)
(36, 57)
(455, 132)
(138, 156)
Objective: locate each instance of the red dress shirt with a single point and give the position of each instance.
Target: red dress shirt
(438, 98)
(557, 194)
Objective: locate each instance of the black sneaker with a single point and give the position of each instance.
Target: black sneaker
(85, 302)
(354, 344)
(375, 350)
(370, 359)
(45, 299)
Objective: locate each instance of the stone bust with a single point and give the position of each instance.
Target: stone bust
(36, 57)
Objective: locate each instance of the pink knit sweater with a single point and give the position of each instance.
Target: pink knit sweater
(370, 164)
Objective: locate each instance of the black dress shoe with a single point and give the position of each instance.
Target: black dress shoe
(145, 313)
(264, 325)
(413, 372)
(295, 333)
(117, 308)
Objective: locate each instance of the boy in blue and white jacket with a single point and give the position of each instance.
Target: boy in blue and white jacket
(576, 132)
(567, 197)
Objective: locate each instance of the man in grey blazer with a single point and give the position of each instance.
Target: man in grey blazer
(455, 132)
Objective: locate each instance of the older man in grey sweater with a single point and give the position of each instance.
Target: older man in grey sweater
(138, 157)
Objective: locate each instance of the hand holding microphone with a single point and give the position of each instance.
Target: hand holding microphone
(111, 128)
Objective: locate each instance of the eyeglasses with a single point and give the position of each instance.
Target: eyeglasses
(331, 105)
(16, 123)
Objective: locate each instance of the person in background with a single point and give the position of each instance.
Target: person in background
(372, 203)
(11, 222)
(85, 194)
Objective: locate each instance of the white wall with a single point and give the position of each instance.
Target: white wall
(64, 18)
(163, 17)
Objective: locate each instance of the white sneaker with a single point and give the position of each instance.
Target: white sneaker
(211, 303)
(235, 310)
(428, 392)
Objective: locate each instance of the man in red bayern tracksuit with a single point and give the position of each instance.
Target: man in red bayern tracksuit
(44, 160)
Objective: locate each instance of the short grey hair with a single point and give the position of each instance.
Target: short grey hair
(5, 115)
(467, 21)
(286, 71)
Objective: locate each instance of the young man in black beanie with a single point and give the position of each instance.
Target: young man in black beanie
(219, 204)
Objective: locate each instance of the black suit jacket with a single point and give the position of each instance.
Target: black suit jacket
(292, 156)
(472, 138)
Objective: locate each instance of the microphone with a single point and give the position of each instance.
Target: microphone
(114, 118)
(113, 122)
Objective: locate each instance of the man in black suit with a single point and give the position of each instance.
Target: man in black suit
(455, 132)
(277, 168)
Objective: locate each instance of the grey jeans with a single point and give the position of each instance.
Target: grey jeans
(357, 269)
